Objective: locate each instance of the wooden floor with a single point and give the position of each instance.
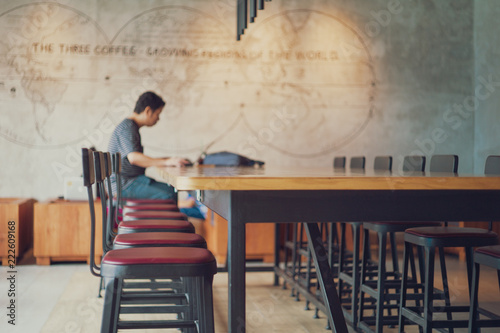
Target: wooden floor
(62, 298)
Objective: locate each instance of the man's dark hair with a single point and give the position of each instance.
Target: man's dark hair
(150, 99)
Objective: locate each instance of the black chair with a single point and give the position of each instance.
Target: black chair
(430, 239)
(357, 163)
(339, 162)
(382, 163)
(444, 163)
(195, 266)
(414, 163)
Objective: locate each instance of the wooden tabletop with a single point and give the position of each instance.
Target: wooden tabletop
(299, 178)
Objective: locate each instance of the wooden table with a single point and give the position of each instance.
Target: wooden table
(246, 195)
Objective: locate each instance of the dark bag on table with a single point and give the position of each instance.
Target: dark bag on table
(225, 158)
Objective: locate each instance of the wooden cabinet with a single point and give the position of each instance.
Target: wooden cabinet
(18, 213)
(259, 239)
(62, 231)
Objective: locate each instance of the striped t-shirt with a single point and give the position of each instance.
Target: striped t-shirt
(125, 140)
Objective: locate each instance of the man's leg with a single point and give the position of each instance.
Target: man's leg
(144, 187)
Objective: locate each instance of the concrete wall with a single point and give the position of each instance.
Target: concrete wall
(309, 80)
(487, 92)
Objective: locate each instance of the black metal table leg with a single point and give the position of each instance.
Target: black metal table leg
(236, 274)
(325, 278)
(277, 230)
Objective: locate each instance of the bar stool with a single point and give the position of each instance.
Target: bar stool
(146, 238)
(349, 272)
(103, 172)
(195, 266)
(430, 238)
(377, 283)
(488, 256)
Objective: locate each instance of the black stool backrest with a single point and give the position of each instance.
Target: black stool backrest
(357, 162)
(492, 165)
(117, 169)
(383, 163)
(414, 163)
(107, 164)
(116, 162)
(444, 163)
(88, 181)
(339, 162)
(110, 234)
(101, 175)
(88, 169)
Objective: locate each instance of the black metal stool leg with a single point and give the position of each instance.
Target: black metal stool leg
(286, 250)
(341, 259)
(101, 287)
(446, 288)
(277, 238)
(111, 305)
(394, 252)
(364, 259)
(404, 283)
(294, 258)
(356, 230)
(473, 314)
(429, 288)
(381, 282)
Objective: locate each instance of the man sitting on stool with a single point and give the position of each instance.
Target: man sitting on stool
(126, 140)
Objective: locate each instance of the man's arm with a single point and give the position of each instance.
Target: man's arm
(144, 161)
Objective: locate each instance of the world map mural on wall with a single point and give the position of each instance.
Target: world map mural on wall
(320, 71)
(301, 81)
(45, 82)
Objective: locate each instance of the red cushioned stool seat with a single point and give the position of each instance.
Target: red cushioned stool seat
(151, 239)
(150, 214)
(164, 207)
(156, 255)
(492, 251)
(396, 226)
(450, 236)
(155, 226)
(132, 202)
